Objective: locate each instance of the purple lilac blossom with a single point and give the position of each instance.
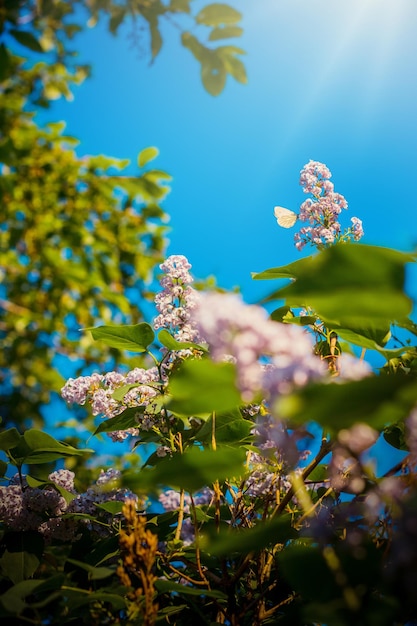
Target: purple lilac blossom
(322, 211)
(177, 299)
(243, 334)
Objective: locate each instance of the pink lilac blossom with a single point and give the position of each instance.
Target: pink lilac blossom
(177, 299)
(322, 211)
(97, 390)
(243, 334)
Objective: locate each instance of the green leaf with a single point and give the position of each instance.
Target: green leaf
(13, 600)
(278, 530)
(9, 439)
(135, 338)
(167, 586)
(217, 14)
(213, 75)
(146, 155)
(375, 400)
(26, 39)
(94, 573)
(5, 64)
(114, 507)
(123, 421)
(174, 345)
(201, 386)
(395, 436)
(3, 468)
(190, 471)
(230, 428)
(225, 32)
(37, 447)
(348, 285)
(292, 270)
(22, 555)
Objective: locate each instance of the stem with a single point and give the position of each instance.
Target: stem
(180, 515)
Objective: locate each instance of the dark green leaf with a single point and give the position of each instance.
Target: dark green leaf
(13, 600)
(9, 439)
(167, 586)
(94, 573)
(22, 555)
(26, 39)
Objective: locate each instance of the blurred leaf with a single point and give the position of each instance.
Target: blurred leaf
(94, 573)
(216, 14)
(230, 428)
(244, 540)
(22, 555)
(201, 386)
(167, 586)
(135, 338)
(26, 39)
(191, 471)
(395, 436)
(146, 155)
(225, 32)
(374, 400)
(348, 284)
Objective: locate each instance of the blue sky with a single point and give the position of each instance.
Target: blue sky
(333, 81)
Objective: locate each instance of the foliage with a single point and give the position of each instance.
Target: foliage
(258, 500)
(80, 239)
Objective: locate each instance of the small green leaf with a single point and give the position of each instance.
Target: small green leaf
(94, 573)
(26, 39)
(125, 420)
(217, 14)
(167, 586)
(226, 32)
(9, 439)
(135, 338)
(146, 155)
(174, 345)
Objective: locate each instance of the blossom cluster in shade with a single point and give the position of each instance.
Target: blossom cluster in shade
(269, 357)
(322, 211)
(48, 509)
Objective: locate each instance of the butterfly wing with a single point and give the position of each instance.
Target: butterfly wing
(285, 217)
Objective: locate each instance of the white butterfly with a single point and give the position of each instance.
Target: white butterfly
(285, 217)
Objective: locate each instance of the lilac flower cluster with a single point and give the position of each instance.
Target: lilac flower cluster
(170, 500)
(323, 210)
(345, 467)
(98, 390)
(244, 334)
(47, 511)
(177, 299)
